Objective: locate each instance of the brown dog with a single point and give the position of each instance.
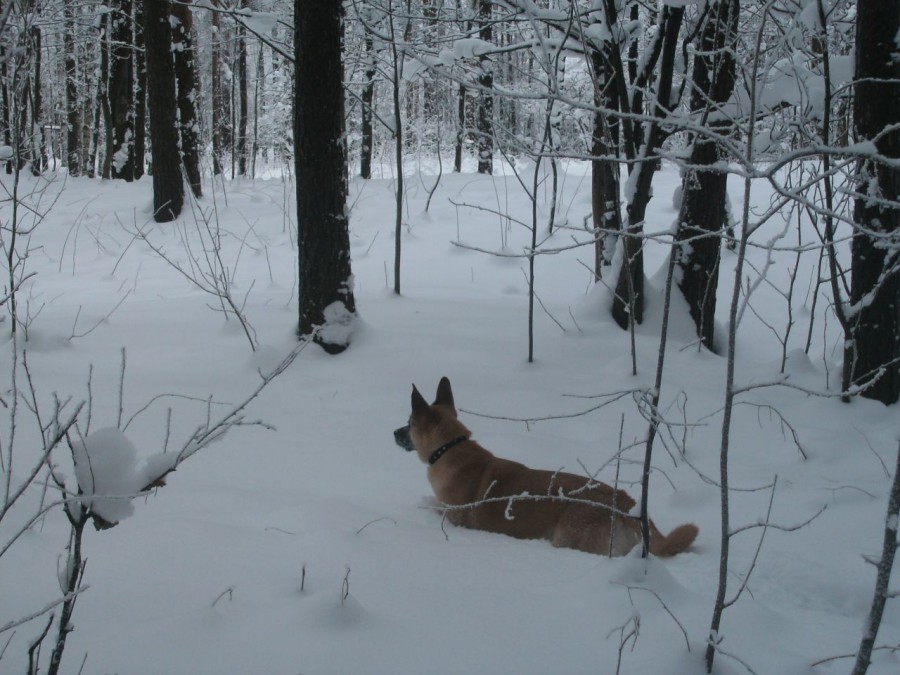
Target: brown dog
(485, 492)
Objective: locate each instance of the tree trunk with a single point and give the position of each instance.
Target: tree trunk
(218, 105)
(168, 187)
(703, 212)
(883, 578)
(874, 345)
(140, 91)
(39, 162)
(188, 124)
(605, 206)
(73, 111)
(327, 306)
(5, 100)
(101, 108)
(628, 303)
(368, 100)
(485, 114)
(258, 82)
(242, 95)
(121, 93)
(460, 128)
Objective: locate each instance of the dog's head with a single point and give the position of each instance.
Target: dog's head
(430, 426)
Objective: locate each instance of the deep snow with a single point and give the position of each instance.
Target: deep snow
(205, 576)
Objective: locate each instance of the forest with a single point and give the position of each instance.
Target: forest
(652, 242)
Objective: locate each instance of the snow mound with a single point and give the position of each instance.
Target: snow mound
(108, 475)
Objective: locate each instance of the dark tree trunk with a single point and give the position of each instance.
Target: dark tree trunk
(4, 99)
(874, 346)
(628, 303)
(73, 110)
(218, 103)
(485, 113)
(327, 305)
(605, 206)
(368, 100)
(883, 578)
(101, 109)
(460, 101)
(703, 215)
(140, 92)
(121, 93)
(430, 84)
(188, 124)
(242, 96)
(168, 186)
(460, 128)
(39, 163)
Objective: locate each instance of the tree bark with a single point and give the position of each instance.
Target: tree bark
(6, 118)
(485, 113)
(883, 577)
(327, 306)
(39, 162)
(460, 128)
(101, 108)
(218, 95)
(703, 212)
(73, 110)
(121, 93)
(242, 95)
(188, 124)
(368, 100)
(874, 347)
(605, 205)
(168, 187)
(140, 92)
(628, 303)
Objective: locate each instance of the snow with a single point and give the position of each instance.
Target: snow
(339, 326)
(315, 547)
(106, 472)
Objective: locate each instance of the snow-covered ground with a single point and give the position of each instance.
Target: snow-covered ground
(313, 548)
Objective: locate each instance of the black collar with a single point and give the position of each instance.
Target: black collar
(437, 454)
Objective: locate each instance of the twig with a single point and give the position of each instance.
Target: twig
(345, 587)
(99, 321)
(829, 659)
(34, 615)
(377, 520)
(544, 307)
(630, 588)
(228, 591)
(784, 423)
(613, 397)
(34, 651)
(121, 391)
(633, 628)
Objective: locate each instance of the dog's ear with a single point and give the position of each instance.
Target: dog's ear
(444, 393)
(419, 403)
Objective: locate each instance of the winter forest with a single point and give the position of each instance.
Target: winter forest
(655, 243)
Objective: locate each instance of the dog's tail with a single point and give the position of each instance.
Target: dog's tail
(675, 542)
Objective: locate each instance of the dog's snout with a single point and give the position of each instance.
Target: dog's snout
(403, 439)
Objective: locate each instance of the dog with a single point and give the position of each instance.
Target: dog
(483, 492)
